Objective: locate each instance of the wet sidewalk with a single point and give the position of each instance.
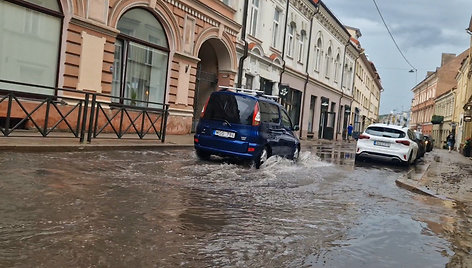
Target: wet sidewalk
(66, 142)
(447, 175)
(28, 141)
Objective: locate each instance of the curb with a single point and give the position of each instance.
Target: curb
(406, 182)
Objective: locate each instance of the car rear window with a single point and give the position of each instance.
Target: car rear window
(385, 132)
(232, 108)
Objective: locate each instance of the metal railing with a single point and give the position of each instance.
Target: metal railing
(83, 114)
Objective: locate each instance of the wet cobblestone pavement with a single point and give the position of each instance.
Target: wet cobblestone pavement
(166, 208)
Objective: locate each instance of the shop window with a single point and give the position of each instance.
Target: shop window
(292, 103)
(249, 80)
(30, 53)
(141, 59)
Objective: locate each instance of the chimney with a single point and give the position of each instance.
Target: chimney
(447, 57)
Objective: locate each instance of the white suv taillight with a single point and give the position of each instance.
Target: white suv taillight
(404, 142)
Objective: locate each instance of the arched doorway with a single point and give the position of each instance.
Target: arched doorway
(213, 56)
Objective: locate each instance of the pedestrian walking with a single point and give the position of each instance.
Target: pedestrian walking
(349, 132)
(450, 141)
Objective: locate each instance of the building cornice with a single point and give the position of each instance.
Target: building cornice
(198, 10)
(94, 26)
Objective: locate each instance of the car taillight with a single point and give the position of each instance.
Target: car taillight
(256, 116)
(362, 136)
(404, 142)
(204, 108)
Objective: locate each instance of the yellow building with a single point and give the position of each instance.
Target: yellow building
(463, 107)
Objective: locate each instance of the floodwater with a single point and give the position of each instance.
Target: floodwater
(169, 209)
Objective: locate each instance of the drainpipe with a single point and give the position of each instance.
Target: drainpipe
(245, 52)
(342, 91)
(306, 70)
(352, 86)
(283, 45)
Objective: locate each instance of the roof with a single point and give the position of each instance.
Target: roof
(255, 94)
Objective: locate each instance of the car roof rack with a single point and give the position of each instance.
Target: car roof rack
(252, 92)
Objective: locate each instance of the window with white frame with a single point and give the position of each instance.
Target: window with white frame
(301, 45)
(254, 16)
(328, 63)
(291, 30)
(275, 28)
(337, 64)
(318, 54)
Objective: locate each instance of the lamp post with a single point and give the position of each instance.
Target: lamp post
(414, 70)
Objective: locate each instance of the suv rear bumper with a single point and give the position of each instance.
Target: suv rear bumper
(380, 156)
(226, 147)
(221, 152)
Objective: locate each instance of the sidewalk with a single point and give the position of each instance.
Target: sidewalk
(66, 142)
(445, 175)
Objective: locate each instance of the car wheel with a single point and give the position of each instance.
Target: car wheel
(411, 160)
(202, 155)
(262, 157)
(296, 154)
(357, 158)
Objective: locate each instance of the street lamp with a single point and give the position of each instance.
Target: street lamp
(414, 70)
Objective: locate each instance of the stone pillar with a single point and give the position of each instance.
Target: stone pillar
(182, 82)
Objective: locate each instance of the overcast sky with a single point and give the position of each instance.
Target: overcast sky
(423, 30)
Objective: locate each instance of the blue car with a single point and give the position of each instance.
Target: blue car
(246, 126)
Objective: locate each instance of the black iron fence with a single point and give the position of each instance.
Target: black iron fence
(84, 115)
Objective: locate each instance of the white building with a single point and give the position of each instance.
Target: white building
(301, 52)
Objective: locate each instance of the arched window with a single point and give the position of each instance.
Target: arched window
(141, 59)
(31, 36)
(337, 64)
(301, 45)
(329, 58)
(291, 32)
(318, 54)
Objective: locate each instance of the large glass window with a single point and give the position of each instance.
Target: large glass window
(141, 59)
(292, 103)
(30, 44)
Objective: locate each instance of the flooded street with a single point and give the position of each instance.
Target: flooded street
(166, 208)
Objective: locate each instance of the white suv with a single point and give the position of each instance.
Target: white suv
(387, 142)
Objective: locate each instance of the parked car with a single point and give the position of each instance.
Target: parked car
(429, 143)
(387, 142)
(421, 144)
(245, 126)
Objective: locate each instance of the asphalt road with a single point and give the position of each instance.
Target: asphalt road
(166, 208)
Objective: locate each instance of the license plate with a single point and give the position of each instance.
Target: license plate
(381, 143)
(225, 134)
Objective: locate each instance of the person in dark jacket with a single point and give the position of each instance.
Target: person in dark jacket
(450, 141)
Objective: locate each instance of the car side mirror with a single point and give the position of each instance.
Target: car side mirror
(296, 128)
